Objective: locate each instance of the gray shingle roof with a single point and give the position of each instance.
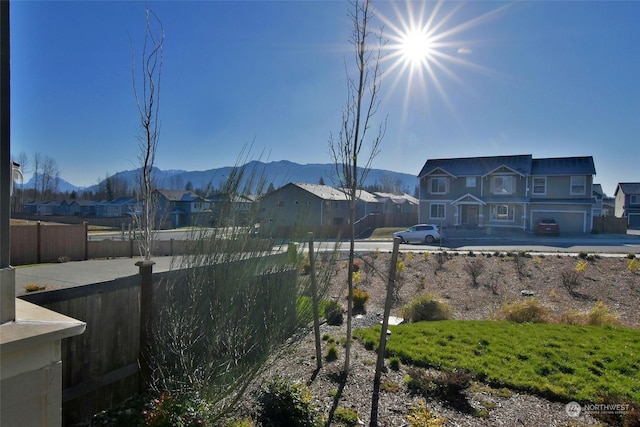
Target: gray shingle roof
(629, 187)
(523, 164)
(478, 166)
(564, 166)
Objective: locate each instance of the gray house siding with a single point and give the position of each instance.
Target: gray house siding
(508, 191)
(627, 203)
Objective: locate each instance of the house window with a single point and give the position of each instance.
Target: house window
(437, 210)
(438, 185)
(501, 213)
(540, 185)
(281, 203)
(634, 199)
(578, 185)
(502, 185)
(471, 181)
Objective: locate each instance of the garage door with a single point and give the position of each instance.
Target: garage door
(569, 222)
(634, 220)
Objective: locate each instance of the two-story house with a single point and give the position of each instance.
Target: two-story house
(181, 208)
(627, 202)
(507, 191)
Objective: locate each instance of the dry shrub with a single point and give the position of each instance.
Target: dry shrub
(427, 308)
(600, 314)
(527, 310)
(474, 269)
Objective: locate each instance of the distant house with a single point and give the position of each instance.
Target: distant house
(182, 208)
(398, 209)
(608, 206)
(312, 206)
(508, 191)
(116, 208)
(627, 202)
(598, 196)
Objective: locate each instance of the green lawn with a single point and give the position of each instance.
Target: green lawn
(563, 362)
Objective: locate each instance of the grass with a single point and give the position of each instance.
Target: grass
(561, 362)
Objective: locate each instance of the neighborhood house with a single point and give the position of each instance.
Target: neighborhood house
(627, 202)
(508, 191)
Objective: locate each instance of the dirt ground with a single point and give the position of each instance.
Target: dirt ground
(500, 280)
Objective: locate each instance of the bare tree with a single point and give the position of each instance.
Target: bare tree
(49, 177)
(37, 164)
(147, 95)
(361, 106)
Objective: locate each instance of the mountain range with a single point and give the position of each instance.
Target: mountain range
(277, 173)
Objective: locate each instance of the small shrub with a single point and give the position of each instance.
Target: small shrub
(346, 416)
(570, 279)
(427, 308)
(427, 255)
(356, 266)
(600, 314)
(525, 311)
(631, 256)
(332, 353)
(581, 266)
(420, 416)
(441, 259)
(360, 299)
(390, 386)
(573, 317)
(168, 410)
(520, 265)
(357, 276)
(633, 265)
(333, 313)
(447, 385)
(288, 404)
(399, 266)
(394, 363)
(474, 269)
(408, 256)
(32, 287)
(583, 255)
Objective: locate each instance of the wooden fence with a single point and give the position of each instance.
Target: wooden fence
(609, 224)
(43, 243)
(101, 367)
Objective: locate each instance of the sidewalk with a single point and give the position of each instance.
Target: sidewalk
(78, 273)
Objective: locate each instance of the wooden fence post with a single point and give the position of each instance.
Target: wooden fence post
(145, 270)
(38, 241)
(86, 240)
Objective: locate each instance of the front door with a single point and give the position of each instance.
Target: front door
(470, 215)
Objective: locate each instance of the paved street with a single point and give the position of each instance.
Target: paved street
(78, 273)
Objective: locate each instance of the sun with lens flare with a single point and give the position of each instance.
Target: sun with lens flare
(415, 46)
(426, 46)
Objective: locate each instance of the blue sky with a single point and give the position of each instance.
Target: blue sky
(550, 79)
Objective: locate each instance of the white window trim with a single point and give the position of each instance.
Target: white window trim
(533, 186)
(438, 178)
(510, 212)
(444, 211)
(513, 183)
(584, 185)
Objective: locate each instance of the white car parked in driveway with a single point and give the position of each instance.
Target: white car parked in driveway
(426, 233)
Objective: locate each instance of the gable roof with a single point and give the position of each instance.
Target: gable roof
(399, 199)
(478, 166)
(628, 187)
(324, 192)
(564, 166)
(179, 195)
